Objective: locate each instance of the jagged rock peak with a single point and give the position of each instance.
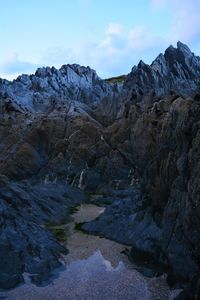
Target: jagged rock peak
(174, 53)
(141, 64)
(184, 48)
(177, 69)
(180, 47)
(79, 69)
(64, 70)
(49, 87)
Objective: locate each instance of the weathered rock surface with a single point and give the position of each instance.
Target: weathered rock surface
(164, 220)
(25, 244)
(177, 69)
(50, 88)
(134, 141)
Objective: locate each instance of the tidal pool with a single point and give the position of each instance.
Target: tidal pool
(95, 269)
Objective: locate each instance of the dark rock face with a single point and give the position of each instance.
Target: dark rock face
(52, 152)
(59, 145)
(164, 220)
(178, 69)
(25, 245)
(135, 141)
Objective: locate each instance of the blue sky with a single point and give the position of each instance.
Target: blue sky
(108, 35)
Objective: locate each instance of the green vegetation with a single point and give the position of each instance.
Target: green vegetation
(59, 231)
(60, 234)
(4, 123)
(73, 209)
(117, 79)
(78, 226)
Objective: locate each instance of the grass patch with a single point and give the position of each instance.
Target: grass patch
(59, 231)
(78, 226)
(60, 234)
(73, 209)
(116, 79)
(4, 123)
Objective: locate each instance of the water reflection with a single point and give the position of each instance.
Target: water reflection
(87, 279)
(94, 269)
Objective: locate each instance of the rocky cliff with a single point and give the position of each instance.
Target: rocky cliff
(162, 217)
(177, 69)
(133, 139)
(50, 89)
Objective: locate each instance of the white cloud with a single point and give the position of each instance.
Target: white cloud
(115, 54)
(115, 29)
(185, 21)
(57, 56)
(120, 49)
(12, 66)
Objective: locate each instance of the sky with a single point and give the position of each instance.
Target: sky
(110, 36)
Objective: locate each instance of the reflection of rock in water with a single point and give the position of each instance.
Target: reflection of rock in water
(95, 269)
(81, 246)
(91, 278)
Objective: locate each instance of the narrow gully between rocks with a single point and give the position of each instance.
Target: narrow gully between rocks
(95, 268)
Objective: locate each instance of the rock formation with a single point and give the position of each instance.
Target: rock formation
(134, 138)
(177, 69)
(164, 147)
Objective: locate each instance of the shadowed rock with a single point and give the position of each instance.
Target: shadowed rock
(135, 141)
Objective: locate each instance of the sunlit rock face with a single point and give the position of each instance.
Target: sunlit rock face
(50, 88)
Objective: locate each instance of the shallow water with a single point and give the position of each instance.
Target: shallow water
(95, 269)
(82, 245)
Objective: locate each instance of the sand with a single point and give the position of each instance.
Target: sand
(95, 269)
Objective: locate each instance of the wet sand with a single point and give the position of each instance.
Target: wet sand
(82, 245)
(95, 269)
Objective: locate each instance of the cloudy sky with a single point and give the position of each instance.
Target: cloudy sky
(108, 35)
